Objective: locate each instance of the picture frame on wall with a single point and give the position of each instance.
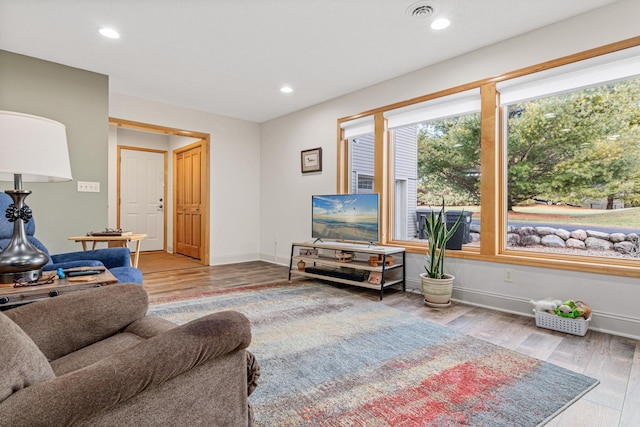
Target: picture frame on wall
(311, 160)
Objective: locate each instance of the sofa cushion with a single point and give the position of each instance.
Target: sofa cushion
(22, 364)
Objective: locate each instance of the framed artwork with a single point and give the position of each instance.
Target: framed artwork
(311, 160)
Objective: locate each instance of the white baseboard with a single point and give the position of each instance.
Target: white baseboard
(601, 321)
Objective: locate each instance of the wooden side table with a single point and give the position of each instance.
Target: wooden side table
(10, 295)
(113, 242)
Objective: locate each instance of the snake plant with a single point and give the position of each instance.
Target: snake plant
(435, 228)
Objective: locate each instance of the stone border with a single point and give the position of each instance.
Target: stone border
(626, 244)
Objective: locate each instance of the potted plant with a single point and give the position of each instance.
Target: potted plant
(437, 285)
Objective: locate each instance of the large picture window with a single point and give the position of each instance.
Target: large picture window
(573, 158)
(544, 161)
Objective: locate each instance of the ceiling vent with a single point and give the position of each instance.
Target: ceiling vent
(420, 10)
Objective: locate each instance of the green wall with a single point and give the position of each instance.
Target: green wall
(78, 99)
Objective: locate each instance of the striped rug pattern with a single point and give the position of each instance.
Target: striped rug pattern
(330, 358)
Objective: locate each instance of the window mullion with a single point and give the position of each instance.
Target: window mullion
(380, 181)
(490, 188)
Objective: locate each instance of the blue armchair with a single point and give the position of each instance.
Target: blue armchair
(117, 260)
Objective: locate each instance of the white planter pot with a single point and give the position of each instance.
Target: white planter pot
(437, 292)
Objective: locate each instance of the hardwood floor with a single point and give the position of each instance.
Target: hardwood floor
(613, 360)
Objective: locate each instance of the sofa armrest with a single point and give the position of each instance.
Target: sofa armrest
(150, 326)
(99, 387)
(110, 257)
(72, 264)
(70, 322)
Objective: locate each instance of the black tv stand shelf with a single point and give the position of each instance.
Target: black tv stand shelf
(348, 263)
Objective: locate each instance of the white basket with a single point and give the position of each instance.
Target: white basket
(562, 324)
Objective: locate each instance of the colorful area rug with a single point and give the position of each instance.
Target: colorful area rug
(330, 358)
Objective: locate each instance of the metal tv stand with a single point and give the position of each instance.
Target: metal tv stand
(365, 265)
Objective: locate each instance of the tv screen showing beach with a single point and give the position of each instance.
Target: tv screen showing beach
(345, 217)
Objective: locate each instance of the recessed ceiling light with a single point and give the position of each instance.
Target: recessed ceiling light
(286, 89)
(110, 33)
(440, 24)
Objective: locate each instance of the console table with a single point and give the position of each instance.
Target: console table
(113, 242)
(369, 266)
(10, 295)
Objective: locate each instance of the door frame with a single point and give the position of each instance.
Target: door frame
(205, 226)
(165, 155)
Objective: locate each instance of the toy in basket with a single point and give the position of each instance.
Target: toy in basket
(572, 317)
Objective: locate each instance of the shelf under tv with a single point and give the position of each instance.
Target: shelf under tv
(326, 266)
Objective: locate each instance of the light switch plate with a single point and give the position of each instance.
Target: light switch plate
(88, 187)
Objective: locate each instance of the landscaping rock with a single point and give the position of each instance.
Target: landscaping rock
(513, 239)
(527, 231)
(617, 237)
(598, 234)
(597, 244)
(562, 233)
(530, 240)
(624, 247)
(553, 241)
(579, 234)
(575, 243)
(545, 231)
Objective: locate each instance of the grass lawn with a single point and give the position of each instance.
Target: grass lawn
(626, 218)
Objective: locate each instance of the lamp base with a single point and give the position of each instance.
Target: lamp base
(20, 260)
(23, 276)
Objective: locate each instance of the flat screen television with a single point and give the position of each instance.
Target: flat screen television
(349, 217)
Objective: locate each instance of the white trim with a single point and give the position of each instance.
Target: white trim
(456, 104)
(361, 126)
(591, 72)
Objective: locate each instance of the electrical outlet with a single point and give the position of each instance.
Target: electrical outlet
(88, 187)
(508, 275)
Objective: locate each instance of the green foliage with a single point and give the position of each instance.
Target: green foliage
(566, 148)
(435, 228)
(449, 160)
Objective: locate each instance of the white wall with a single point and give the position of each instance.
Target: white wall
(285, 193)
(235, 171)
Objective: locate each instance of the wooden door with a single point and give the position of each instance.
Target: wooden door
(189, 182)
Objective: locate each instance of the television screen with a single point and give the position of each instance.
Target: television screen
(352, 217)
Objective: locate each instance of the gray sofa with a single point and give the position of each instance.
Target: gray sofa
(93, 358)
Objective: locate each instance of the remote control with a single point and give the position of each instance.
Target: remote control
(83, 272)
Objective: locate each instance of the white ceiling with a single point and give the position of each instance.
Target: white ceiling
(231, 57)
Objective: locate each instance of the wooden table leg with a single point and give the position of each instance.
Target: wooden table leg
(84, 245)
(137, 253)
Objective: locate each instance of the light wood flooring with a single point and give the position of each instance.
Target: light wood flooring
(613, 360)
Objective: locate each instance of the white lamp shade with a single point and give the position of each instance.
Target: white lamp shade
(34, 147)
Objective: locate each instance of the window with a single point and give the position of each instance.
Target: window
(573, 158)
(358, 135)
(561, 138)
(436, 156)
(365, 184)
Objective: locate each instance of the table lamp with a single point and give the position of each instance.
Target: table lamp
(33, 149)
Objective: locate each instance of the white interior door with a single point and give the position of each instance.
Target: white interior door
(142, 204)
